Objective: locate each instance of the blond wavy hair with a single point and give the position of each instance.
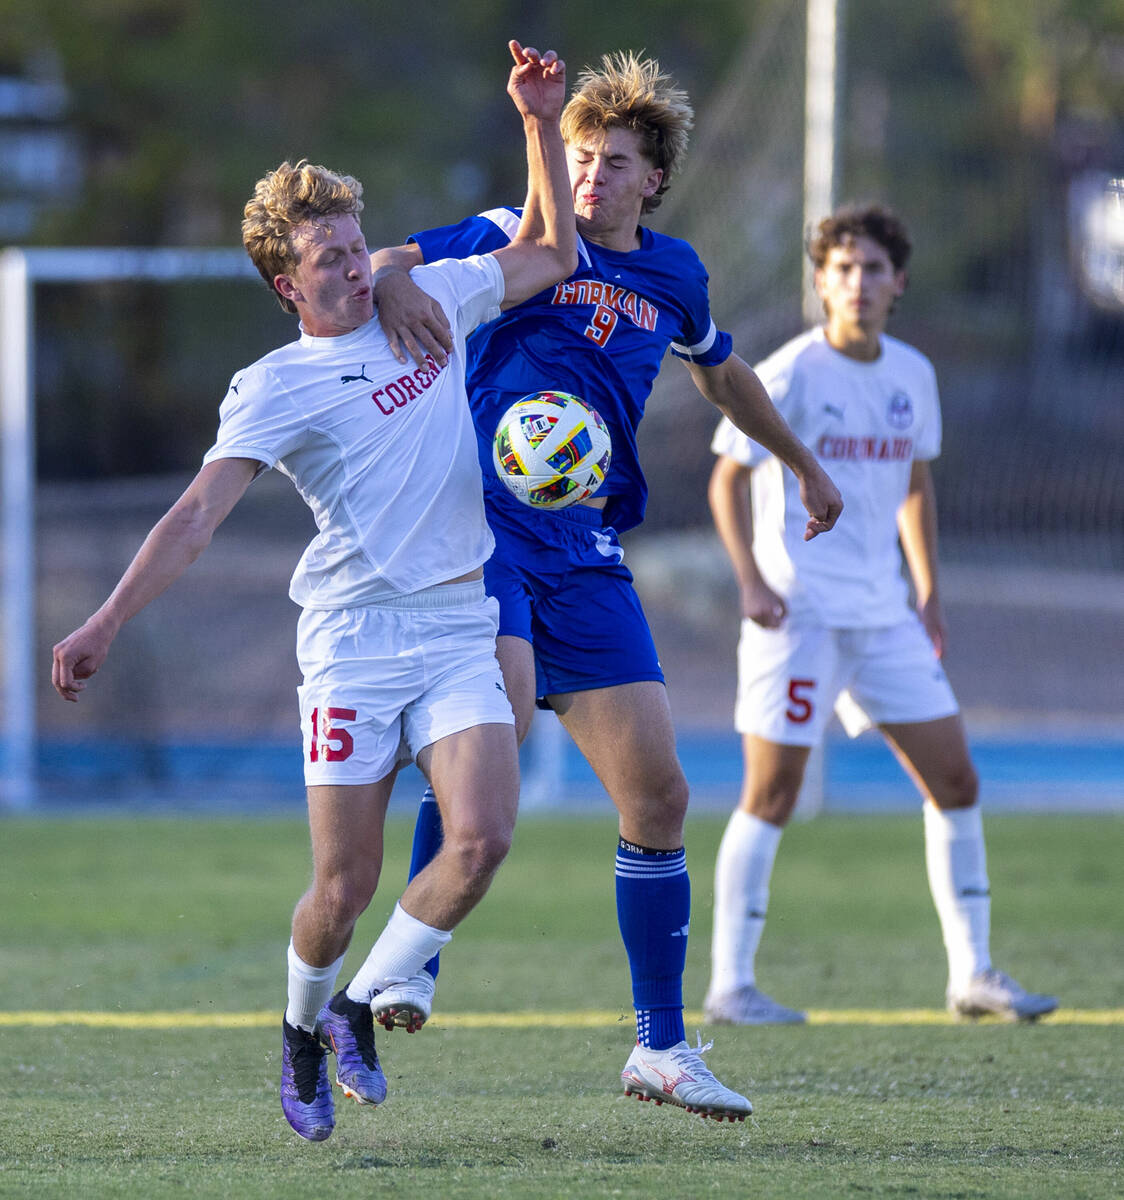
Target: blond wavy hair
(289, 196)
(633, 93)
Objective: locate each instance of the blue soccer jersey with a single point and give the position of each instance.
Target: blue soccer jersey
(600, 335)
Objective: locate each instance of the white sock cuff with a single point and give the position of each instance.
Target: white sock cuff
(313, 974)
(766, 836)
(953, 824)
(408, 928)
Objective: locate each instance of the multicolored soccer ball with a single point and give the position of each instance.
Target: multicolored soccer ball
(551, 450)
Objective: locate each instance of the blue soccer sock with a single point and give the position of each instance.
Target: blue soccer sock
(428, 838)
(654, 912)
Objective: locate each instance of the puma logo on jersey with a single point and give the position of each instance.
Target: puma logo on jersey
(355, 378)
(833, 411)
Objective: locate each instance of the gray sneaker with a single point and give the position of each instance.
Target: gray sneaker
(749, 1006)
(994, 993)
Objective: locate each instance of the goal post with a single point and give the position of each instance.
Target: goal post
(21, 270)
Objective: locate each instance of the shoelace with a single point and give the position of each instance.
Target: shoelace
(305, 1056)
(693, 1055)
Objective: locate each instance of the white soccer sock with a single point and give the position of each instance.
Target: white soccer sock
(403, 948)
(741, 897)
(956, 862)
(310, 988)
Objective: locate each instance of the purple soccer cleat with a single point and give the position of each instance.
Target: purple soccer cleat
(347, 1027)
(306, 1094)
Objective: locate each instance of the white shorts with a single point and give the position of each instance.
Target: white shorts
(384, 681)
(791, 679)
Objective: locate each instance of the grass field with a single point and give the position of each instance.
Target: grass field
(143, 969)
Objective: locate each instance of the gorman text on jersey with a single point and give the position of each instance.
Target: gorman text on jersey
(639, 311)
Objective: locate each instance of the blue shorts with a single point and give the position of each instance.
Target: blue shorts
(562, 586)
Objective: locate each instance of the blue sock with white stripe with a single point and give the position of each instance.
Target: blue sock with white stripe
(428, 837)
(654, 913)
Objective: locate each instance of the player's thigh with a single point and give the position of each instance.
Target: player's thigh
(895, 677)
(627, 736)
(773, 775)
(462, 685)
(360, 672)
(516, 657)
(788, 680)
(475, 777)
(346, 830)
(936, 757)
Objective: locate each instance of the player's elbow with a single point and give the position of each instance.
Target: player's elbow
(569, 261)
(191, 527)
(558, 261)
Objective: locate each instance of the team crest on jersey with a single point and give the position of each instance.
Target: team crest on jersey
(899, 412)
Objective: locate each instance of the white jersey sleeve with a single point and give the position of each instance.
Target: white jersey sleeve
(258, 418)
(469, 289)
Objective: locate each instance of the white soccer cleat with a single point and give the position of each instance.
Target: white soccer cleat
(679, 1076)
(749, 1006)
(407, 1004)
(994, 993)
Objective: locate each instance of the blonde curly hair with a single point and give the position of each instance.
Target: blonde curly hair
(287, 197)
(633, 93)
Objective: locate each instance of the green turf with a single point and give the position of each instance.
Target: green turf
(130, 914)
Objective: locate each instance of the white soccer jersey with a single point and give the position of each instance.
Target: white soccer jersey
(866, 423)
(384, 456)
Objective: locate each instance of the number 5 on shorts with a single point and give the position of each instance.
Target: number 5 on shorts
(799, 705)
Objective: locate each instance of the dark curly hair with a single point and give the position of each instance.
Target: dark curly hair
(855, 220)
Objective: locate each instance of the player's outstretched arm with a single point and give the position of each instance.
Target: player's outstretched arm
(734, 389)
(544, 249)
(175, 542)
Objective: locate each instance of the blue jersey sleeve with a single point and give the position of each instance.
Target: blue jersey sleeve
(474, 235)
(715, 347)
(701, 341)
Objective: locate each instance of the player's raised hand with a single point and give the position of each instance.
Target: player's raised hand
(537, 83)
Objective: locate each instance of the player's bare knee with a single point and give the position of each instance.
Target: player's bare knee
(666, 805)
(343, 897)
(959, 789)
(478, 855)
(772, 798)
(774, 805)
(336, 909)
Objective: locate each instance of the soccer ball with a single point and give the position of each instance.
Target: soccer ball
(551, 450)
